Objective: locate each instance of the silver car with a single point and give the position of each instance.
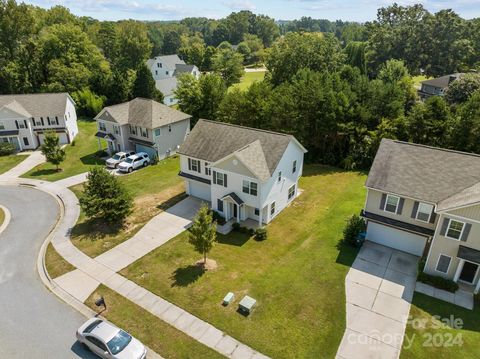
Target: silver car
(118, 157)
(108, 341)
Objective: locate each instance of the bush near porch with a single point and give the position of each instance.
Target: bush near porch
(297, 275)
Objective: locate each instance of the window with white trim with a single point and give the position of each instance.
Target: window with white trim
(208, 170)
(294, 167)
(291, 192)
(443, 263)
(2, 126)
(249, 187)
(220, 180)
(391, 204)
(195, 165)
(116, 129)
(272, 208)
(424, 212)
(101, 126)
(455, 229)
(157, 132)
(279, 176)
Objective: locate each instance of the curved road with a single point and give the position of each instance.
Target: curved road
(34, 323)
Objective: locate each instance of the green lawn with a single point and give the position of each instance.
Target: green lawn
(8, 162)
(56, 265)
(297, 274)
(80, 157)
(418, 79)
(2, 216)
(427, 337)
(154, 188)
(249, 78)
(164, 339)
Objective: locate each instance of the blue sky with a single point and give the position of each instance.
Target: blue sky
(358, 10)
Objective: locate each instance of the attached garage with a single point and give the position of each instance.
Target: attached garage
(150, 151)
(396, 238)
(199, 190)
(62, 137)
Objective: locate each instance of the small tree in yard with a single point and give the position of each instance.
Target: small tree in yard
(51, 149)
(203, 232)
(105, 198)
(355, 225)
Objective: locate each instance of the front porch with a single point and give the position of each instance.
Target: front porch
(467, 273)
(111, 142)
(227, 227)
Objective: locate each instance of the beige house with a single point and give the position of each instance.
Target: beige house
(426, 201)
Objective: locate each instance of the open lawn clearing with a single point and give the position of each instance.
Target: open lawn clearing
(249, 78)
(297, 275)
(161, 337)
(427, 337)
(8, 162)
(80, 156)
(155, 188)
(56, 265)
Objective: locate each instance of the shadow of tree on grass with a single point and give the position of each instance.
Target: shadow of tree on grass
(184, 276)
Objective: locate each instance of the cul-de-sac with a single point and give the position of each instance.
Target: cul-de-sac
(239, 179)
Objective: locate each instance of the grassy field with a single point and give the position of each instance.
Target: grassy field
(80, 157)
(296, 275)
(154, 188)
(56, 265)
(8, 162)
(249, 78)
(427, 337)
(152, 331)
(2, 216)
(418, 79)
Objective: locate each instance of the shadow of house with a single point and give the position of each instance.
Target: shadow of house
(92, 160)
(346, 253)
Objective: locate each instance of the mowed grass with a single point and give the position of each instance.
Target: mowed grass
(297, 275)
(248, 79)
(55, 264)
(427, 337)
(79, 157)
(2, 216)
(154, 189)
(8, 162)
(164, 339)
(417, 80)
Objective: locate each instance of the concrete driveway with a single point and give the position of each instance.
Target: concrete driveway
(379, 288)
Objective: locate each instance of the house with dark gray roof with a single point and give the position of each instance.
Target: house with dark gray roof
(426, 201)
(437, 86)
(142, 125)
(24, 119)
(165, 71)
(245, 173)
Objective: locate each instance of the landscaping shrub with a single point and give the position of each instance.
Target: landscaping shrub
(355, 225)
(218, 218)
(236, 226)
(6, 149)
(261, 234)
(251, 232)
(476, 299)
(438, 282)
(88, 103)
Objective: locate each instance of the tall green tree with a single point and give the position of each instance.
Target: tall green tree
(460, 90)
(134, 47)
(51, 149)
(144, 85)
(203, 232)
(229, 64)
(466, 129)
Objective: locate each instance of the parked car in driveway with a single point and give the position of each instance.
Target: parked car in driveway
(133, 162)
(108, 341)
(118, 158)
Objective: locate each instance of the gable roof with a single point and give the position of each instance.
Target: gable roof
(168, 61)
(425, 173)
(182, 69)
(142, 112)
(259, 150)
(166, 86)
(36, 105)
(443, 81)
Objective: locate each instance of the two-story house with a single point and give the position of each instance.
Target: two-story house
(437, 86)
(165, 70)
(245, 173)
(25, 118)
(142, 125)
(426, 201)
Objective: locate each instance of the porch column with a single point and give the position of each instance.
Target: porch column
(260, 215)
(238, 213)
(459, 270)
(477, 287)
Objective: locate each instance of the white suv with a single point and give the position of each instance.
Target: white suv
(133, 162)
(117, 158)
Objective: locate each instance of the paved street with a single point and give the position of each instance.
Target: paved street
(34, 323)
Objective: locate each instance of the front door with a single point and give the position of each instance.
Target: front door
(468, 272)
(235, 209)
(111, 147)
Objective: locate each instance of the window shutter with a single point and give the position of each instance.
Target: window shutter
(444, 226)
(199, 167)
(225, 180)
(25, 122)
(466, 231)
(400, 205)
(189, 164)
(16, 124)
(41, 119)
(214, 177)
(433, 216)
(415, 209)
(48, 120)
(382, 202)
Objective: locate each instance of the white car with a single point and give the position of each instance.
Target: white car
(110, 342)
(133, 162)
(117, 158)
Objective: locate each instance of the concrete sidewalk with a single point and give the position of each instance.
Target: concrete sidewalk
(72, 181)
(33, 160)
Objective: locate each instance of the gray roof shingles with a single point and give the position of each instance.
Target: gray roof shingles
(424, 173)
(36, 105)
(443, 81)
(212, 141)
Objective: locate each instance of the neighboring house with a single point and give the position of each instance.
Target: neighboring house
(25, 118)
(245, 173)
(438, 86)
(143, 125)
(165, 70)
(426, 201)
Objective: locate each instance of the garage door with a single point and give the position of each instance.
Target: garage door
(199, 190)
(150, 151)
(397, 239)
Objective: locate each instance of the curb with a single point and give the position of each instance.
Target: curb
(6, 220)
